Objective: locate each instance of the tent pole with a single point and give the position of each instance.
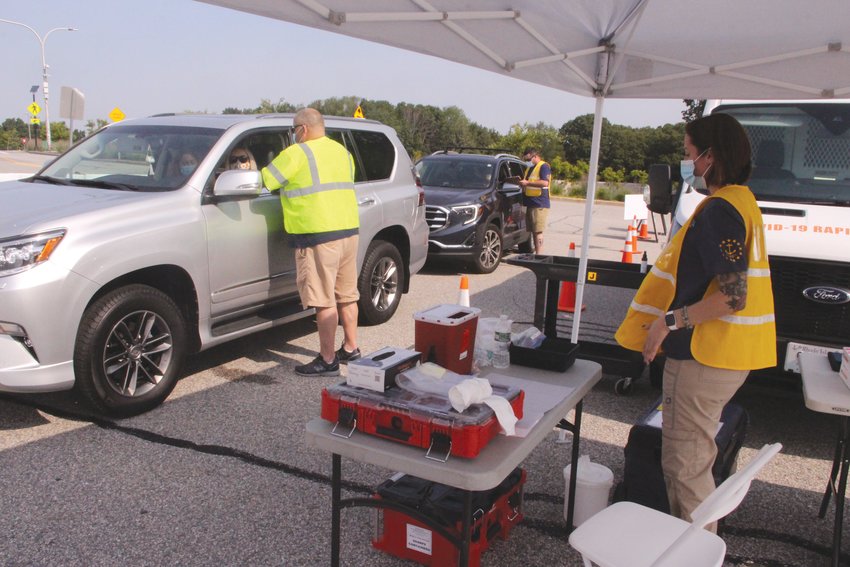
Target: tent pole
(588, 213)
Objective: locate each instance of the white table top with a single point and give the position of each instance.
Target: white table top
(823, 388)
(495, 462)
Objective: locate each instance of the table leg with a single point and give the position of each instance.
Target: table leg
(575, 429)
(844, 458)
(833, 474)
(539, 302)
(550, 320)
(336, 482)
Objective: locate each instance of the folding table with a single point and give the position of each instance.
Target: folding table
(495, 462)
(824, 391)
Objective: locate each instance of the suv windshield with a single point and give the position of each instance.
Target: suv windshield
(801, 152)
(138, 158)
(456, 173)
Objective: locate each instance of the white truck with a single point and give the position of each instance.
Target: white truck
(801, 178)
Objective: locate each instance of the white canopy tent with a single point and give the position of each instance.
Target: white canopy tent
(745, 49)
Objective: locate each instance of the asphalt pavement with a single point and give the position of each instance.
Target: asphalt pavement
(221, 475)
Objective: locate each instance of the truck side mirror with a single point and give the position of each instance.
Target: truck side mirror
(660, 189)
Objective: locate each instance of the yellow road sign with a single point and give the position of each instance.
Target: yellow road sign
(116, 115)
(34, 109)
(35, 120)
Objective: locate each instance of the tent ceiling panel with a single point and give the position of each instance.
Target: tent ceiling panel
(655, 48)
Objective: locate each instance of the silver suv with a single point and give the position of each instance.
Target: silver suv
(116, 260)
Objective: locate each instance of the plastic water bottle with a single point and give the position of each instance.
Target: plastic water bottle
(502, 339)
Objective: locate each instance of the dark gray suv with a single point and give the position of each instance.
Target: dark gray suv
(473, 207)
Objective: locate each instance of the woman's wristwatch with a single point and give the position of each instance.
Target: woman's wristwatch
(670, 321)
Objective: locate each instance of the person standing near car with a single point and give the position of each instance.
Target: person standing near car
(708, 303)
(315, 177)
(535, 196)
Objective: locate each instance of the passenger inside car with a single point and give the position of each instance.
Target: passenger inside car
(241, 158)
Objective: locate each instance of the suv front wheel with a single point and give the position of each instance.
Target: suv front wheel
(380, 283)
(130, 346)
(489, 254)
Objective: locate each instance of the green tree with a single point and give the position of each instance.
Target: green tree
(665, 145)
(15, 125)
(59, 131)
(693, 109)
(576, 135)
(541, 136)
(95, 125)
(337, 106)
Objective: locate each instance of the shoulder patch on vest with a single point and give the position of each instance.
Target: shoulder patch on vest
(731, 249)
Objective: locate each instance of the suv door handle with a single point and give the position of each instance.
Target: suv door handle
(366, 201)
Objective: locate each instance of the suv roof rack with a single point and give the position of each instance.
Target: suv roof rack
(461, 149)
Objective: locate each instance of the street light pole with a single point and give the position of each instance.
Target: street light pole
(44, 68)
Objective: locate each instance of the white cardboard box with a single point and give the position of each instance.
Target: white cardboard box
(377, 371)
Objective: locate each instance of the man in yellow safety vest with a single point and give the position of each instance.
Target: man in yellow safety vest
(535, 190)
(315, 177)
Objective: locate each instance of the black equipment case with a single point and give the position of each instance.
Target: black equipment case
(495, 512)
(643, 480)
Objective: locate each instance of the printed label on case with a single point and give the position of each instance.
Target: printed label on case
(419, 539)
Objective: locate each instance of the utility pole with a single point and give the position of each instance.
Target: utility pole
(44, 68)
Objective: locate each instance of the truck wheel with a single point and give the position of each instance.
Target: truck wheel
(130, 346)
(490, 252)
(380, 283)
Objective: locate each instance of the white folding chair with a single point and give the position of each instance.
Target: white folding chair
(626, 534)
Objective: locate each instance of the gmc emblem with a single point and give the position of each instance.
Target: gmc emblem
(827, 294)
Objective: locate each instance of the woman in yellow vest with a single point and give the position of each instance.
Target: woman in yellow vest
(707, 302)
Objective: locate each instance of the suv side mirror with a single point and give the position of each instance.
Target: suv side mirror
(238, 183)
(660, 189)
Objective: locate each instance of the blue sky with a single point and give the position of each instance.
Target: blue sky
(152, 56)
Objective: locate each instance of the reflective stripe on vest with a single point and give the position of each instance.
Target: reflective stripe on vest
(317, 182)
(744, 340)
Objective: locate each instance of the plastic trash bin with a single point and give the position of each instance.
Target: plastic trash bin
(593, 485)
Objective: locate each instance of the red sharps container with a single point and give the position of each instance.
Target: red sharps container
(445, 335)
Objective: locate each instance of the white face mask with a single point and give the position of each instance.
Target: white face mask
(686, 166)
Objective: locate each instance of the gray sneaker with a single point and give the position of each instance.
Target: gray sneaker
(345, 357)
(318, 367)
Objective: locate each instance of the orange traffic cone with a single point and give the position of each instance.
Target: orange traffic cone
(627, 249)
(463, 294)
(633, 236)
(567, 295)
(644, 230)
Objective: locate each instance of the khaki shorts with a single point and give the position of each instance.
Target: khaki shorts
(535, 218)
(327, 273)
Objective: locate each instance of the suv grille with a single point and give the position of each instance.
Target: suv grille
(436, 217)
(797, 318)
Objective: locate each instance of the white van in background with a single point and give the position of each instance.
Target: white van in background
(801, 178)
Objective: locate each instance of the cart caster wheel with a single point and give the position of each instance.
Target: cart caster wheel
(623, 387)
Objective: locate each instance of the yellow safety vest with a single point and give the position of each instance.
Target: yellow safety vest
(744, 340)
(317, 178)
(534, 175)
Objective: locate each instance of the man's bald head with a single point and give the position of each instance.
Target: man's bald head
(314, 122)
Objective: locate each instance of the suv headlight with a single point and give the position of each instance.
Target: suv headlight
(467, 213)
(23, 252)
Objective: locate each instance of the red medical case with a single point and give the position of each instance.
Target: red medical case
(494, 513)
(422, 420)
